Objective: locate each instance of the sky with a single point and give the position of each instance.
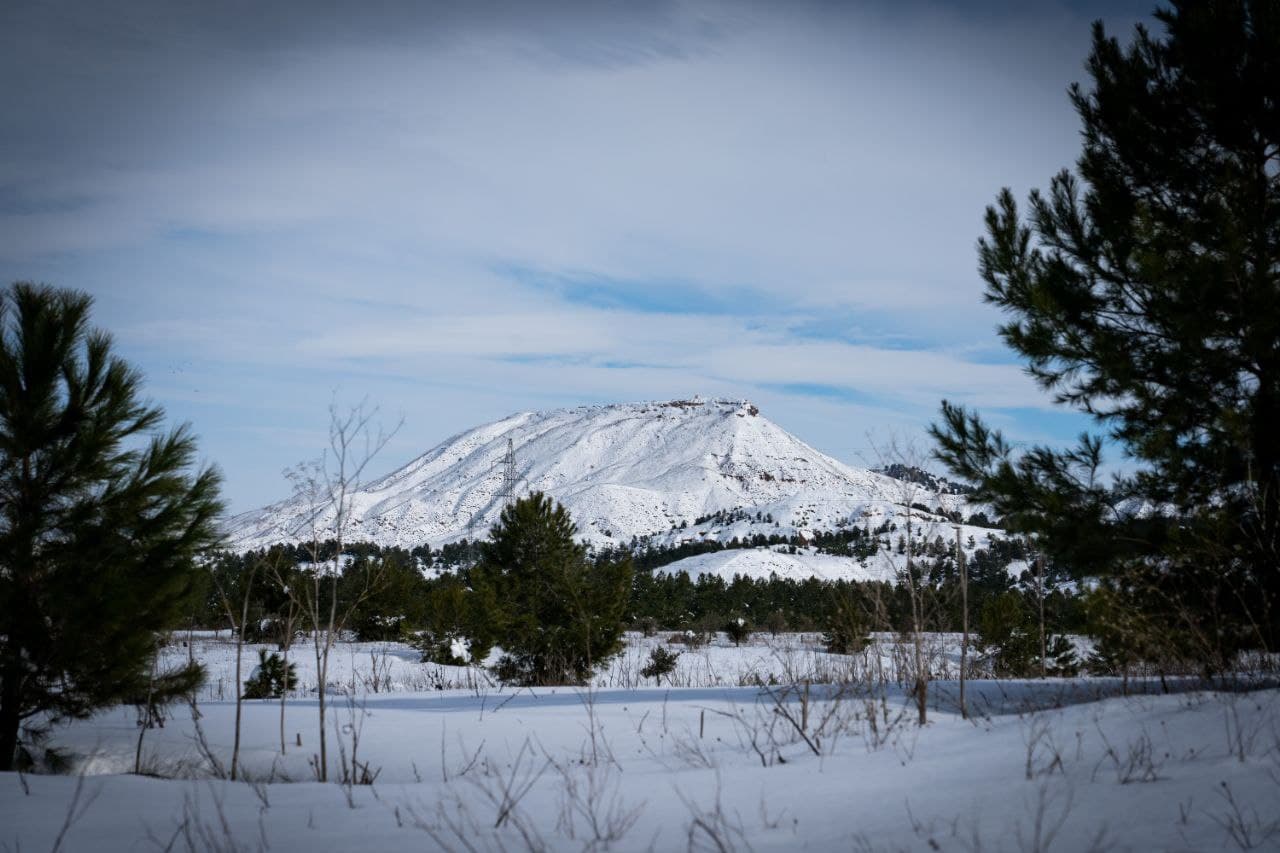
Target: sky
(459, 211)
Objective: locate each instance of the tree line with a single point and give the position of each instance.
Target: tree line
(438, 611)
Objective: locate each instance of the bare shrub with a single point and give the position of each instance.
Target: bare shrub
(378, 678)
(194, 833)
(711, 828)
(453, 823)
(591, 808)
(453, 826)
(1243, 825)
(816, 722)
(755, 730)
(212, 763)
(1043, 754)
(882, 723)
(1136, 763)
(352, 770)
(1243, 733)
(79, 804)
(1039, 835)
(504, 791)
(691, 751)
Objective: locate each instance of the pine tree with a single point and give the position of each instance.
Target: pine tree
(392, 607)
(738, 629)
(457, 617)
(272, 678)
(845, 631)
(1144, 291)
(101, 518)
(662, 661)
(558, 615)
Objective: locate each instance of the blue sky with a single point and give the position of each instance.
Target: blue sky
(460, 211)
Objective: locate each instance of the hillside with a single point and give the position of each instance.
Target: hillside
(668, 471)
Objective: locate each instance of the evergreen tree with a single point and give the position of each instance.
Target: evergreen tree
(559, 616)
(844, 619)
(272, 678)
(1144, 291)
(391, 607)
(738, 629)
(1007, 632)
(662, 661)
(101, 518)
(458, 617)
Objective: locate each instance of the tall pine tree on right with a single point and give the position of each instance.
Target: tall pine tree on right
(1143, 289)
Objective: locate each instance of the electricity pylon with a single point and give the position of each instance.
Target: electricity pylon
(507, 494)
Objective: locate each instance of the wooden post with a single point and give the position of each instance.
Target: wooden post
(804, 708)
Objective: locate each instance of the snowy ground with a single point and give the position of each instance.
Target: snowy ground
(396, 667)
(760, 563)
(1041, 766)
(764, 659)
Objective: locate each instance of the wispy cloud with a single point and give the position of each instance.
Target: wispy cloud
(462, 210)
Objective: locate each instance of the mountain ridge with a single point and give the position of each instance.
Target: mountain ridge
(652, 471)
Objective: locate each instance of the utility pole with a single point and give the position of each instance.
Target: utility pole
(964, 620)
(1040, 598)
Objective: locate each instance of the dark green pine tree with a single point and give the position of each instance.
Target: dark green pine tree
(101, 518)
(271, 679)
(1144, 290)
(393, 606)
(559, 616)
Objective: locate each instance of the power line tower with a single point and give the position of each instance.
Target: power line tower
(507, 494)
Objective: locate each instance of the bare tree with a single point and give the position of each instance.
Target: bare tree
(288, 615)
(227, 598)
(327, 486)
(906, 493)
(916, 589)
(963, 571)
(147, 710)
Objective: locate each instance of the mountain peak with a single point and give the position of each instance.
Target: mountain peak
(623, 470)
(690, 404)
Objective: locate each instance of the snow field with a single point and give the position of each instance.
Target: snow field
(391, 667)
(760, 563)
(1040, 766)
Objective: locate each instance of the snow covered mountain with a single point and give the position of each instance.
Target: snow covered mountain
(669, 471)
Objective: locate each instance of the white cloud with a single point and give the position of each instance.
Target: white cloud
(302, 204)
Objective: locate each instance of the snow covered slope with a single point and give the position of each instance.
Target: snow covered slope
(760, 563)
(623, 471)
